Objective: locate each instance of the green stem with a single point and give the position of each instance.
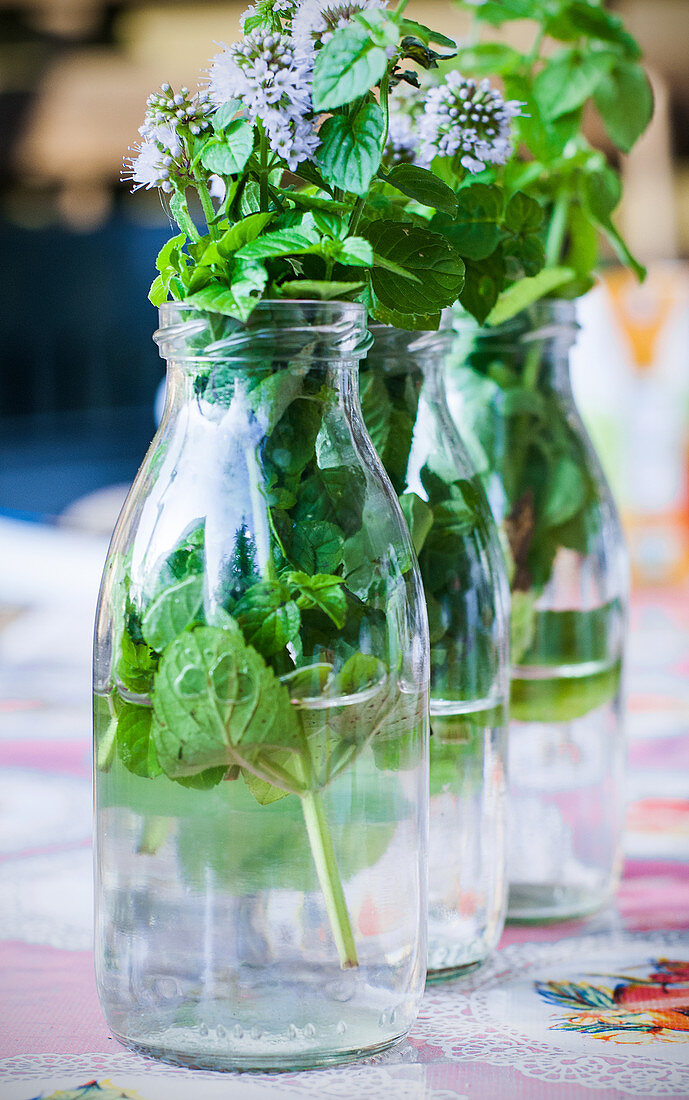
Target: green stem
(385, 103)
(329, 878)
(401, 6)
(263, 173)
(356, 215)
(557, 230)
(208, 208)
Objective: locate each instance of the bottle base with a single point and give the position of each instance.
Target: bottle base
(447, 973)
(232, 1060)
(542, 902)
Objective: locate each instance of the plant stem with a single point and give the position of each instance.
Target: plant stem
(263, 174)
(401, 6)
(356, 215)
(208, 209)
(557, 230)
(385, 103)
(329, 878)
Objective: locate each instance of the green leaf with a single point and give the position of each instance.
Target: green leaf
(347, 67)
(425, 34)
(136, 665)
(565, 492)
(424, 255)
(582, 18)
(317, 546)
(167, 257)
(413, 322)
(360, 672)
(320, 290)
(158, 292)
(568, 80)
(600, 193)
(419, 518)
(475, 229)
(269, 618)
(225, 114)
(135, 747)
(283, 242)
(228, 155)
(313, 202)
(350, 149)
(243, 232)
(523, 214)
(624, 100)
(489, 59)
(322, 591)
(238, 301)
(526, 292)
(482, 286)
(217, 704)
(422, 185)
(354, 251)
(172, 611)
(501, 11)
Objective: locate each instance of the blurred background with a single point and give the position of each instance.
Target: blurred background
(79, 370)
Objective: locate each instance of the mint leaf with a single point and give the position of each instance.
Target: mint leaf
(136, 665)
(134, 745)
(228, 153)
(568, 80)
(350, 149)
(216, 703)
(347, 67)
(317, 546)
(600, 192)
(527, 291)
(475, 228)
(321, 290)
(243, 232)
(423, 186)
(322, 591)
(269, 618)
(624, 100)
(283, 242)
(428, 257)
(172, 611)
(418, 516)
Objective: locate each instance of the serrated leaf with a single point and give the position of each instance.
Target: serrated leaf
(243, 232)
(317, 546)
(165, 257)
(158, 292)
(283, 242)
(172, 611)
(269, 618)
(410, 26)
(216, 704)
(347, 67)
(526, 292)
(426, 256)
(135, 747)
(350, 150)
(624, 100)
(568, 80)
(323, 591)
(475, 229)
(228, 155)
(421, 185)
(411, 322)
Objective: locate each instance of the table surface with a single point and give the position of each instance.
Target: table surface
(532, 1023)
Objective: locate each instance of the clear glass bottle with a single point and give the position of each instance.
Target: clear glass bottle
(509, 393)
(261, 695)
(462, 569)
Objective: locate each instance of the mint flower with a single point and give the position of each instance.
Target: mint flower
(156, 157)
(274, 86)
(316, 20)
(177, 109)
(466, 119)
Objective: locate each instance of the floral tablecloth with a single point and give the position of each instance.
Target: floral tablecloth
(597, 1007)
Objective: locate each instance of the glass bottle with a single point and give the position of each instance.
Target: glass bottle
(462, 569)
(509, 393)
(261, 694)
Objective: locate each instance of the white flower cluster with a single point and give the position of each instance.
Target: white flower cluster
(317, 20)
(273, 84)
(180, 108)
(160, 153)
(469, 119)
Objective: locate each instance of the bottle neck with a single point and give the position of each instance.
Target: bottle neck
(529, 352)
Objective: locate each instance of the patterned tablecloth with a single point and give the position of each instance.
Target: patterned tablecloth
(538, 1021)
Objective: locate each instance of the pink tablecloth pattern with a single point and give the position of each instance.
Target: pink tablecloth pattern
(545, 1018)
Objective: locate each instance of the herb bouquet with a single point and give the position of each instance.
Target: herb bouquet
(528, 227)
(261, 648)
